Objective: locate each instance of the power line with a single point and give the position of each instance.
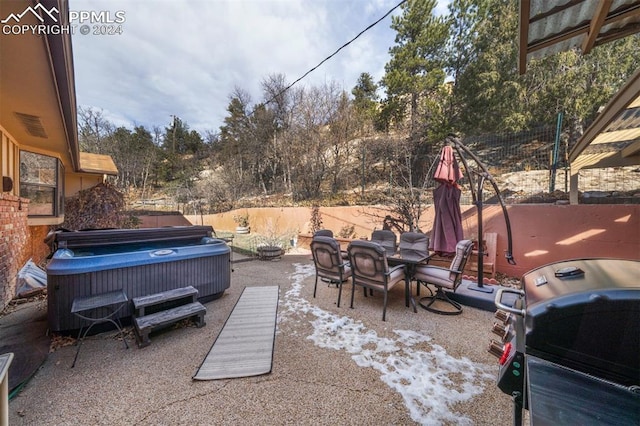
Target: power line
(333, 54)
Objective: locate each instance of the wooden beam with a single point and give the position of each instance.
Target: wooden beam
(573, 185)
(631, 150)
(619, 33)
(525, 13)
(599, 16)
(620, 101)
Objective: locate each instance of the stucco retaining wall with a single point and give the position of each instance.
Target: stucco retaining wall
(541, 233)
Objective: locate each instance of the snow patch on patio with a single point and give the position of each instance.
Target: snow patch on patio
(430, 383)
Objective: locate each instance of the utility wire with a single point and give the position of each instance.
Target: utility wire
(333, 54)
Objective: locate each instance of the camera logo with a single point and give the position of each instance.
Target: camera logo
(33, 11)
(84, 22)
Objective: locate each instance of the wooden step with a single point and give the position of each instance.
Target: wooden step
(489, 260)
(189, 294)
(148, 323)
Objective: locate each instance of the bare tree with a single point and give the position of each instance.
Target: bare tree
(282, 103)
(93, 130)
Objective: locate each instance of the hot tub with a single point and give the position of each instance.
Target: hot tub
(141, 262)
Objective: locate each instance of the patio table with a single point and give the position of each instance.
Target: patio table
(97, 309)
(409, 258)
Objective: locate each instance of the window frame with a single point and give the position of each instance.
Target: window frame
(57, 186)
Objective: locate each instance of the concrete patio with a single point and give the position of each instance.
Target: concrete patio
(331, 366)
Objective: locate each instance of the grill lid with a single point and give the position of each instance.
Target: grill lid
(590, 320)
(542, 284)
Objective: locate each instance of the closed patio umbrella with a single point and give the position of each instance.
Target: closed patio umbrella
(447, 224)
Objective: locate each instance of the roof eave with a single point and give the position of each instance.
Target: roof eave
(61, 60)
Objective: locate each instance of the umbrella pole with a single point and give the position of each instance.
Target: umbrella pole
(477, 199)
(480, 286)
(480, 234)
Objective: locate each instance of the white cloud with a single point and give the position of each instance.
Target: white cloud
(185, 57)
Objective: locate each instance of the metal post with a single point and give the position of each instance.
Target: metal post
(480, 235)
(554, 159)
(517, 408)
(364, 153)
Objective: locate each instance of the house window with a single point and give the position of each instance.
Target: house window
(41, 181)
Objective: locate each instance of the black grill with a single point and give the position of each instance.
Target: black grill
(576, 321)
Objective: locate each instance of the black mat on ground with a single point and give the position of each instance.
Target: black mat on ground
(24, 332)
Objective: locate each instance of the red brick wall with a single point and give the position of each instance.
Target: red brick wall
(37, 249)
(14, 243)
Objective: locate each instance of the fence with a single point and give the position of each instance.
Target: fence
(531, 167)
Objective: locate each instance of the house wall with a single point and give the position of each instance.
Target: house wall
(14, 243)
(75, 182)
(19, 241)
(9, 155)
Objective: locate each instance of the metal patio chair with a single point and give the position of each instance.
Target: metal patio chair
(444, 278)
(329, 263)
(369, 269)
(386, 239)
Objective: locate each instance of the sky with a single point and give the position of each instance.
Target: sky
(186, 57)
(430, 394)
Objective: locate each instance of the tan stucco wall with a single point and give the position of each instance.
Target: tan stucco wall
(541, 233)
(75, 182)
(159, 221)
(548, 233)
(297, 219)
